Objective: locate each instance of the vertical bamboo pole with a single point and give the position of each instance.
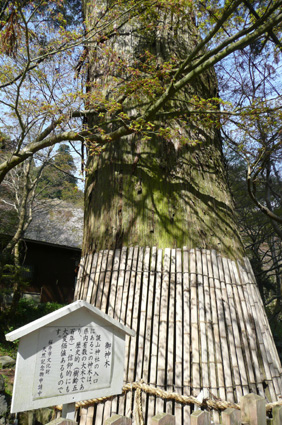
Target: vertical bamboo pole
(162, 346)
(156, 325)
(91, 278)
(170, 370)
(79, 279)
(178, 334)
(186, 334)
(132, 304)
(195, 354)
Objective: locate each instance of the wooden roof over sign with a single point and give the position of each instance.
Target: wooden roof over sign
(199, 321)
(48, 320)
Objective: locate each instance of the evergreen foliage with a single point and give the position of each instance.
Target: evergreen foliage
(58, 178)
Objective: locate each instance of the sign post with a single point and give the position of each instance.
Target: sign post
(68, 411)
(73, 354)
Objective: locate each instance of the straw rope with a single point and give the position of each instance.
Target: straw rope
(208, 403)
(138, 413)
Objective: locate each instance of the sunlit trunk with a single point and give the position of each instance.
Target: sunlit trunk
(160, 192)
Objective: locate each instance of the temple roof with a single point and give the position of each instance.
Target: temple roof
(53, 221)
(59, 222)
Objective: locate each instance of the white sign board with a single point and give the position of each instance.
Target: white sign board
(75, 354)
(72, 359)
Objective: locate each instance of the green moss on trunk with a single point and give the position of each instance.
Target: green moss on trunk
(158, 192)
(168, 198)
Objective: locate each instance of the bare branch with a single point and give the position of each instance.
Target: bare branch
(262, 207)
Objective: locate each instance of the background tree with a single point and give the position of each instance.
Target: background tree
(19, 199)
(58, 179)
(253, 146)
(254, 130)
(262, 244)
(29, 104)
(25, 192)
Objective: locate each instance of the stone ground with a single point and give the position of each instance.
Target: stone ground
(8, 374)
(38, 417)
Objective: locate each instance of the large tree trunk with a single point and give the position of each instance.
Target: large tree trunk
(188, 306)
(157, 192)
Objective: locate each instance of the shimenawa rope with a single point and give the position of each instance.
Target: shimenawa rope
(209, 403)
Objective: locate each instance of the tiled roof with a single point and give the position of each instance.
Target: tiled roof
(57, 222)
(53, 221)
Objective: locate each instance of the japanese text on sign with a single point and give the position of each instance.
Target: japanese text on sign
(72, 359)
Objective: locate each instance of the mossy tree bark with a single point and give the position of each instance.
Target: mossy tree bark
(163, 191)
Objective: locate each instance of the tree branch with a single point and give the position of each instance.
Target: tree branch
(262, 207)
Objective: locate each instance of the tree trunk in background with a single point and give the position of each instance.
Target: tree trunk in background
(158, 193)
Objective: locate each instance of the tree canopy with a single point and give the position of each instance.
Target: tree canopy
(40, 47)
(46, 96)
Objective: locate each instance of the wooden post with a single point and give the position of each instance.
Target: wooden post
(62, 421)
(277, 415)
(68, 411)
(231, 416)
(118, 420)
(253, 409)
(163, 419)
(200, 417)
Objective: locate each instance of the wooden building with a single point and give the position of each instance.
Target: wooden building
(51, 251)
